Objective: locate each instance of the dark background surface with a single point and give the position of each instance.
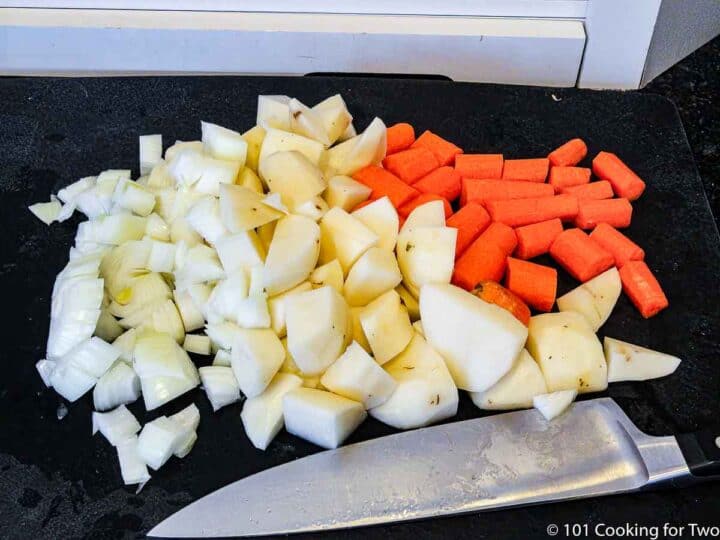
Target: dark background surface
(56, 481)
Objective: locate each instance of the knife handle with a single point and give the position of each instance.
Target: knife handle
(701, 450)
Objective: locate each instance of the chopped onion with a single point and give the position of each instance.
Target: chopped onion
(189, 419)
(125, 343)
(220, 385)
(66, 211)
(257, 281)
(46, 212)
(134, 197)
(120, 385)
(201, 264)
(68, 330)
(93, 356)
(197, 344)
(186, 167)
(253, 312)
(45, 369)
(166, 318)
(76, 294)
(142, 291)
(107, 328)
(132, 467)
(70, 381)
(156, 228)
(159, 440)
(222, 358)
(240, 251)
(162, 257)
(226, 297)
(116, 425)
(150, 152)
(191, 315)
(119, 229)
(122, 264)
(223, 143)
(159, 177)
(97, 201)
(172, 152)
(223, 334)
(164, 368)
(204, 218)
(69, 193)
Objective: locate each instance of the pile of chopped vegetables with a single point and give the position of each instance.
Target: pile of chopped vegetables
(330, 276)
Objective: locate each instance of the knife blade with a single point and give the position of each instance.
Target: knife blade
(505, 460)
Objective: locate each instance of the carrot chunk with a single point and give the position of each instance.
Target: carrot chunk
(581, 256)
(470, 221)
(482, 191)
(443, 181)
(405, 209)
(569, 154)
(624, 181)
(533, 283)
(479, 165)
(443, 150)
(399, 137)
(383, 182)
(615, 212)
(519, 212)
(412, 164)
(501, 235)
(480, 262)
(562, 177)
(593, 190)
(536, 239)
(622, 248)
(643, 288)
(529, 170)
(494, 293)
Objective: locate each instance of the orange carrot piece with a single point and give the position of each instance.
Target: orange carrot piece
(443, 181)
(622, 248)
(643, 288)
(384, 183)
(479, 165)
(470, 221)
(615, 212)
(593, 190)
(482, 191)
(533, 283)
(399, 137)
(494, 293)
(569, 154)
(480, 262)
(405, 209)
(625, 182)
(580, 255)
(529, 170)
(443, 150)
(562, 177)
(412, 164)
(500, 235)
(519, 212)
(536, 239)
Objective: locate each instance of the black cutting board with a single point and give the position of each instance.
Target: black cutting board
(56, 481)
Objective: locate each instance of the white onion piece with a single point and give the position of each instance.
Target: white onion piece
(223, 143)
(224, 334)
(253, 312)
(46, 212)
(97, 201)
(122, 264)
(197, 344)
(107, 328)
(142, 291)
(125, 343)
(70, 381)
(118, 229)
(162, 257)
(204, 218)
(150, 152)
(75, 294)
(70, 192)
(116, 425)
(132, 467)
(189, 420)
(158, 441)
(119, 386)
(132, 196)
(240, 251)
(186, 165)
(94, 356)
(66, 212)
(156, 228)
(82, 265)
(222, 358)
(69, 330)
(191, 315)
(227, 296)
(201, 264)
(45, 369)
(164, 368)
(159, 177)
(220, 385)
(172, 152)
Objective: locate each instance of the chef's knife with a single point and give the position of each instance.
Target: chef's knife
(506, 460)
